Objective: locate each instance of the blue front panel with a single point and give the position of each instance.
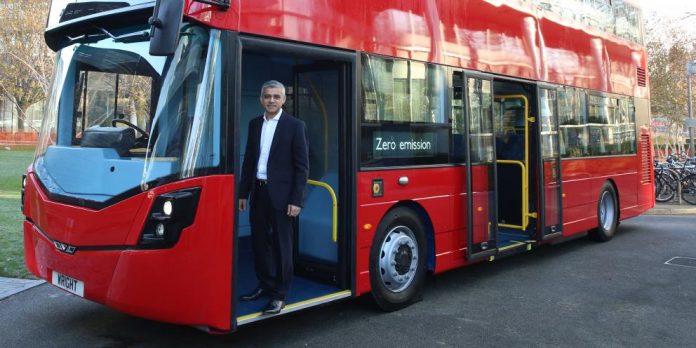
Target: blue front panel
(95, 174)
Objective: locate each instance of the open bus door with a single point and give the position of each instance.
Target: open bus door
(480, 160)
(318, 98)
(551, 200)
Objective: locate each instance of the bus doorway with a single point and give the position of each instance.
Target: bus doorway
(317, 89)
(528, 164)
(515, 143)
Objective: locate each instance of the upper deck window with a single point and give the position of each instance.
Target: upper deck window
(403, 91)
(616, 17)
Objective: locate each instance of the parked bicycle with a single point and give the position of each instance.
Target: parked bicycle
(673, 174)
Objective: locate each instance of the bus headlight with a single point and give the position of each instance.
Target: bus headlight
(159, 230)
(167, 208)
(165, 223)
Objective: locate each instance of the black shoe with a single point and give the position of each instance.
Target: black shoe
(274, 307)
(253, 295)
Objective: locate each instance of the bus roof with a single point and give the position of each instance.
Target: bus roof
(582, 43)
(544, 40)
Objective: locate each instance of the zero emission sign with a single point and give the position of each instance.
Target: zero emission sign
(400, 144)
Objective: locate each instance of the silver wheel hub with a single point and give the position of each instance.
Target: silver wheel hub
(398, 259)
(607, 211)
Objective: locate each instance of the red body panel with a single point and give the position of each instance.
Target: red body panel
(514, 40)
(481, 208)
(582, 181)
(439, 191)
(189, 283)
(76, 226)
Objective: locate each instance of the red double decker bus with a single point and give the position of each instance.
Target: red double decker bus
(441, 134)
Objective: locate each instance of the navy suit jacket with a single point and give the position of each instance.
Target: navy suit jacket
(288, 161)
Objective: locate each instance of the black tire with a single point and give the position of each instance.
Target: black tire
(607, 214)
(664, 190)
(688, 188)
(397, 248)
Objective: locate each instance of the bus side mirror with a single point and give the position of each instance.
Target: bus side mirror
(165, 25)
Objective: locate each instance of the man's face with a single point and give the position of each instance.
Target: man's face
(272, 100)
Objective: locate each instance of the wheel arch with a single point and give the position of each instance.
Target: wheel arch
(427, 225)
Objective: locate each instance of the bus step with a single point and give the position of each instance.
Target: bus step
(515, 247)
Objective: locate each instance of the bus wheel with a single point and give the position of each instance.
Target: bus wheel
(397, 260)
(607, 214)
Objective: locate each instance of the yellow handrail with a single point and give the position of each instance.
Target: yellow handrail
(525, 169)
(525, 192)
(334, 210)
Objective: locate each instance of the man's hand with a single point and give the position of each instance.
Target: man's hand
(242, 205)
(293, 210)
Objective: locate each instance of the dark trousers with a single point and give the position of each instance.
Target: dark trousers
(271, 237)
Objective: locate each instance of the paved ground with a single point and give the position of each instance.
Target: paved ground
(579, 293)
(673, 209)
(11, 286)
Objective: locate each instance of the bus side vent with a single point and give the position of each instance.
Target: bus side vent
(641, 77)
(645, 148)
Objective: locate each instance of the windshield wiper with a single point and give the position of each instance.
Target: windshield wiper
(85, 38)
(132, 37)
(127, 38)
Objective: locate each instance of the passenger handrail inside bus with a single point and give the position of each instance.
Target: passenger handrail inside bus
(334, 208)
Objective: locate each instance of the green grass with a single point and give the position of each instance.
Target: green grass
(13, 163)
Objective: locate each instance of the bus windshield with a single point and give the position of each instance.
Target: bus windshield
(119, 120)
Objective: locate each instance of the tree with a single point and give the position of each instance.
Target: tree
(26, 63)
(669, 47)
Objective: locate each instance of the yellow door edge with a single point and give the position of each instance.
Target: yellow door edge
(293, 307)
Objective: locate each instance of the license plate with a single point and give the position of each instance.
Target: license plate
(69, 284)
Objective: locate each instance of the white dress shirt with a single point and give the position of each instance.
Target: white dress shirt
(267, 132)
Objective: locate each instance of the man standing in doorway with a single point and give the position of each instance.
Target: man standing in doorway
(274, 174)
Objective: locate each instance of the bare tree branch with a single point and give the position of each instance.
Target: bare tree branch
(26, 63)
(43, 80)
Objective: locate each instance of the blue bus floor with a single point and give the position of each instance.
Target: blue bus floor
(507, 236)
(301, 288)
